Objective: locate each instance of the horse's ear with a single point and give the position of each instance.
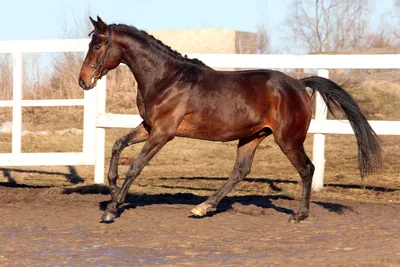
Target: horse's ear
(101, 24)
(95, 25)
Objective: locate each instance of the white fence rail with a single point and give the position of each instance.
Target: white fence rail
(94, 102)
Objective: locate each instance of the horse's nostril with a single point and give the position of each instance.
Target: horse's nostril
(82, 83)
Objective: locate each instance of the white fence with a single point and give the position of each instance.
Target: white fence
(96, 120)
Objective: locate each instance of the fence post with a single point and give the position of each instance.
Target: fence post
(101, 93)
(17, 108)
(321, 112)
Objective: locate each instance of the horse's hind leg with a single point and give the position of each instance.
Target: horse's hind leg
(245, 154)
(137, 135)
(298, 157)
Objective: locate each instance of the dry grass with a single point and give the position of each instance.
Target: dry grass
(378, 99)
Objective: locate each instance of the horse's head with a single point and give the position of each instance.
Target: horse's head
(102, 56)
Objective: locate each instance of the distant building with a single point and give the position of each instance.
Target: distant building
(208, 41)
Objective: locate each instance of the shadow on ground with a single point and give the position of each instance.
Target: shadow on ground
(273, 183)
(15, 185)
(139, 200)
(257, 204)
(72, 177)
(339, 209)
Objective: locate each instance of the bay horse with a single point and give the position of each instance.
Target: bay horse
(179, 96)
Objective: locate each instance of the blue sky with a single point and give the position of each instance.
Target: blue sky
(48, 19)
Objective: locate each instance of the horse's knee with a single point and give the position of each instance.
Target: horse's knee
(118, 145)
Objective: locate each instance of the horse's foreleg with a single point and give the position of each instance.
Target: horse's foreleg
(157, 139)
(244, 159)
(137, 135)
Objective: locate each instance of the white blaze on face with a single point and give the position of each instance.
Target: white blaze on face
(92, 81)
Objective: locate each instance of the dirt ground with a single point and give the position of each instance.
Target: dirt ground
(60, 227)
(50, 216)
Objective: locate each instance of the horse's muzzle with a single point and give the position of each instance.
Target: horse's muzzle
(83, 85)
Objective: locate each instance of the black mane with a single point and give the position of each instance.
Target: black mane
(144, 36)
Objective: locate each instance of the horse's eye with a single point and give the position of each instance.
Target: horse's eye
(97, 47)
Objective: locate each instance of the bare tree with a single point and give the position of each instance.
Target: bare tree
(384, 36)
(263, 39)
(64, 78)
(328, 25)
(396, 18)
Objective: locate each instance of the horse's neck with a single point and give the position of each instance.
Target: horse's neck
(147, 68)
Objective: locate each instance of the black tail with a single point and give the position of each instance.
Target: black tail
(369, 150)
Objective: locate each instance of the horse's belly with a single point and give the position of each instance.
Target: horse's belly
(217, 130)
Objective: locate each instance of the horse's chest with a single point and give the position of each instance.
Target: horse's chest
(141, 105)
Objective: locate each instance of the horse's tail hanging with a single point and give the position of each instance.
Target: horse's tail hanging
(369, 150)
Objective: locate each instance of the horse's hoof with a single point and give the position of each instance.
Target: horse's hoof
(296, 218)
(293, 219)
(108, 217)
(198, 212)
(201, 209)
